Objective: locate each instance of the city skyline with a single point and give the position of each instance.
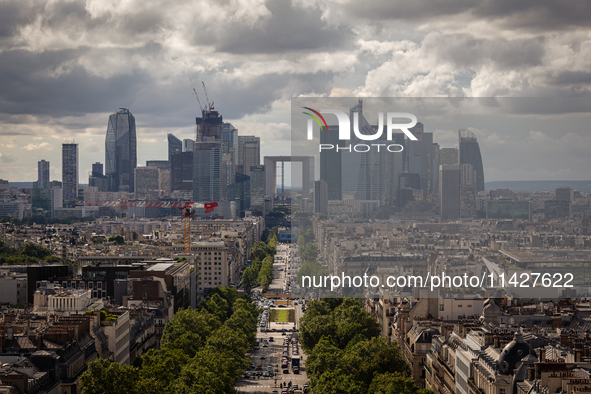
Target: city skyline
(68, 65)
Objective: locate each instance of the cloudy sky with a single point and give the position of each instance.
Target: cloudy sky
(66, 65)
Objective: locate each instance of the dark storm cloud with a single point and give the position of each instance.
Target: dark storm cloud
(287, 29)
(45, 83)
(572, 78)
(528, 14)
(14, 15)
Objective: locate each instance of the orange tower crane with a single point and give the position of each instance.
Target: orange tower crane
(187, 211)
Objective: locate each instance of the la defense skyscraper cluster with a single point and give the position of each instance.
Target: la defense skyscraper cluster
(421, 176)
(121, 151)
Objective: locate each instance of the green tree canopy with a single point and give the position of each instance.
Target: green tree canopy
(106, 377)
(117, 239)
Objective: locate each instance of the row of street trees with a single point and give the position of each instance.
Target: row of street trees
(260, 271)
(308, 252)
(202, 351)
(346, 354)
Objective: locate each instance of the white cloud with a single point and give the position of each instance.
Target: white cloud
(39, 146)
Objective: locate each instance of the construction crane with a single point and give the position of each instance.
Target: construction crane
(187, 211)
(210, 104)
(202, 108)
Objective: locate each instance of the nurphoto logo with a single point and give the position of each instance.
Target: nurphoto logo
(345, 129)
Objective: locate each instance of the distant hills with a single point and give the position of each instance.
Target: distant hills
(539, 186)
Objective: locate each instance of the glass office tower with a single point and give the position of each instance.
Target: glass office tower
(470, 154)
(121, 151)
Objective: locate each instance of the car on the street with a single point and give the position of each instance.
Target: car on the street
(286, 370)
(262, 356)
(271, 339)
(265, 374)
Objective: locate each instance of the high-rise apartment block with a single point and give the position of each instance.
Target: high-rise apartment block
(147, 182)
(97, 178)
(43, 174)
(121, 151)
(70, 162)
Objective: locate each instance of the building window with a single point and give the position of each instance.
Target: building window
(502, 391)
(441, 307)
(459, 306)
(469, 306)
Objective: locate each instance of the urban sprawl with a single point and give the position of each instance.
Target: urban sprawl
(207, 273)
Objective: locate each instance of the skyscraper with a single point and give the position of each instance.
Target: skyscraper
(449, 191)
(330, 163)
(174, 145)
(43, 174)
(240, 193)
(147, 182)
(188, 145)
(97, 178)
(320, 197)
(230, 141)
(121, 151)
(251, 155)
(208, 126)
(207, 172)
(97, 169)
(467, 191)
(242, 140)
(70, 172)
(257, 188)
(448, 156)
(470, 154)
(181, 173)
(419, 157)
